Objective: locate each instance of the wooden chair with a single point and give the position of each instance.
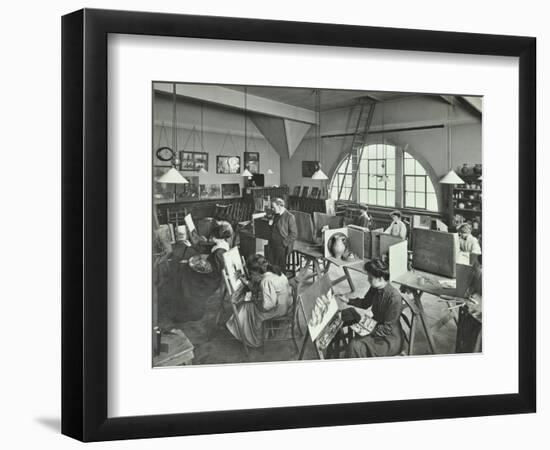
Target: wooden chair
(408, 325)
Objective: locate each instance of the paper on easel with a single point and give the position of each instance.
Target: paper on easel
(189, 222)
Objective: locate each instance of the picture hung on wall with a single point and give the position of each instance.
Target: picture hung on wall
(189, 191)
(228, 164)
(296, 191)
(252, 161)
(128, 400)
(201, 160)
(231, 190)
(309, 168)
(162, 192)
(193, 161)
(186, 161)
(305, 191)
(210, 191)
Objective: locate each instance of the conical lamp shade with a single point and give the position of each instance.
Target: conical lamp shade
(480, 179)
(246, 173)
(202, 171)
(172, 177)
(451, 178)
(270, 172)
(319, 175)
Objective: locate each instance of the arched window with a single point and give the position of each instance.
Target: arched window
(376, 182)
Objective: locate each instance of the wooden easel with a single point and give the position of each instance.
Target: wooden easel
(234, 296)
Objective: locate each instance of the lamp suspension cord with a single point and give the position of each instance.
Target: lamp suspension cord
(245, 121)
(174, 127)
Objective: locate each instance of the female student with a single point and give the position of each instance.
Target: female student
(364, 220)
(468, 243)
(397, 227)
(386, 339)
(271, 297)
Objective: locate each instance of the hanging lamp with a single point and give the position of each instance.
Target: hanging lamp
(318, 174)
(173, 176)
(451, 177)
(246, 173)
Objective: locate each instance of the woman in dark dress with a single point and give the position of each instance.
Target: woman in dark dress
(385, 300)
(199, 288)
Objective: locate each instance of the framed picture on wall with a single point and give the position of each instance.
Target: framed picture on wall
(296, 191)
(193, 161)
(189, 191)
(112, 61)
(309, 168)
(228, 164)
(252, 161)
(187, 162)
(232, 190)
(209, 191)
(200, 161)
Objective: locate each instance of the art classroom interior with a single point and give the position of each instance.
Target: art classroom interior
(307, 223)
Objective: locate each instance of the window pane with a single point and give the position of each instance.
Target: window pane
(363, 180)
(372, 196)
(372, 181)
(372, 166)
(381, 167)
(364, 166)
(371, 151)
(390, 183)
(409, 200)
(420, 184)
(419, 169)
(420, 201)
(381, 198)
(390, 198)
(381, 183)
(363, 196)
(409, 167)
(429, 185)
(407, 155)
(380, 151)
(409, 184)
(390, 166)
(432, 202)
(390, 151)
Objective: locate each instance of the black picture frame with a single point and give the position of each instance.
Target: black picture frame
(196, 161)
(252, 162)
(220, 158)
(84, 242)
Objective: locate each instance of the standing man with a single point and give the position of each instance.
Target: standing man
(283, 234)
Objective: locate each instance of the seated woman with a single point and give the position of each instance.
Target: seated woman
(386, 339)
(220, 235)
(397, 227)
(271, 298)
(198, 288)
(468, 243)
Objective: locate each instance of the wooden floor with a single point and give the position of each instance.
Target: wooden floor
(217, 346)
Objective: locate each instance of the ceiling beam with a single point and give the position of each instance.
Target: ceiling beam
(476, 103)
(235, 99)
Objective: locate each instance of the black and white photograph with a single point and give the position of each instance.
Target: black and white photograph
(228, 164)
(393, 269)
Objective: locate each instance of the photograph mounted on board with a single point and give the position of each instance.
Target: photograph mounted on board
(252, 161)
(210, 191)
(228, 164)
(353, 248)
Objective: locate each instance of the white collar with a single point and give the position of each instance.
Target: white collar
(221, 244)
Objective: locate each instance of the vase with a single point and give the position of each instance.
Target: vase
(477, 169)
(465, 169)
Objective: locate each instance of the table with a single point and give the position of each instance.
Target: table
(313, 254)
(419, 282)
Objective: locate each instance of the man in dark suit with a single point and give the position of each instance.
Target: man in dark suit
(283, 234)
